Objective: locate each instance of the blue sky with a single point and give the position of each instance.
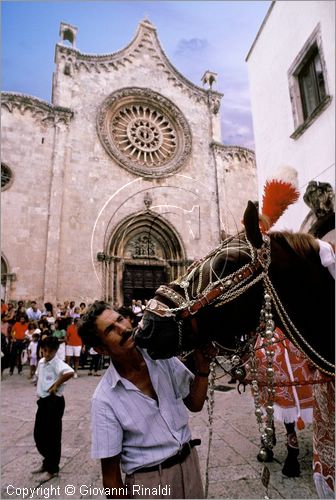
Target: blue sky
(196, 36)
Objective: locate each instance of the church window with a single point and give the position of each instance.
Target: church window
(144, 132)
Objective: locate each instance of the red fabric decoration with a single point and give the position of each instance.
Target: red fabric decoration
(300, 424)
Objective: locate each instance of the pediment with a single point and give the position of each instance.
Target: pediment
(145, 41)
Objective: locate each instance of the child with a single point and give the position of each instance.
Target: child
(95, 361)
(60, 334)
(32, 354)
(51, 373)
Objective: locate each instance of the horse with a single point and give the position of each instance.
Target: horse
(251, 282)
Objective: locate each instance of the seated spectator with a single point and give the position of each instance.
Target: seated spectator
(33, 313)
(4, 307)
(32, 325)
(82, 308)
(20, 310)
(76, 313)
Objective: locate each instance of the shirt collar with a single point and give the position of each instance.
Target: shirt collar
(51, 362)
(113, 376)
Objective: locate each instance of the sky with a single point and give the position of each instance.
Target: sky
(195, 35)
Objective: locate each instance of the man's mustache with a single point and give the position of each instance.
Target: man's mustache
(126, 335)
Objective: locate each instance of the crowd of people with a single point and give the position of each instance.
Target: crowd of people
(25, 325)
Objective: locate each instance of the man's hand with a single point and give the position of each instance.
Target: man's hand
(203, 357)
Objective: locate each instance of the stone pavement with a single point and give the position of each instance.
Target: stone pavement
(234, 471)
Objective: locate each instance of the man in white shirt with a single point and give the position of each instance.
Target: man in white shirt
(139, 413)
(33, 313)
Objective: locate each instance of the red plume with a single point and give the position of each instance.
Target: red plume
(279, 192)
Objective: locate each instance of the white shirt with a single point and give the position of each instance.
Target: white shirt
(48, 372)
(33, 315)
(126, 421)
(327, 256)
(33, 348)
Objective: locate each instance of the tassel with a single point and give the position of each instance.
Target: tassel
(300, 424)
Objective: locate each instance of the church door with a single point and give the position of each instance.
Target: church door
(140, 282)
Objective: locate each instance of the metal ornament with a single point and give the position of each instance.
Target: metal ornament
(266, 331)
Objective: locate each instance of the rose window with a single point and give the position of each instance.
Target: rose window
(144, 132)
(144, 135)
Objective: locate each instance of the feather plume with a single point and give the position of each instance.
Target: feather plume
(279, 192)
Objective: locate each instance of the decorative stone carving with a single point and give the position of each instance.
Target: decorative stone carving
(144, 246)
(144, 132)
(40, 110)
(148, 201)
(209, 78)
(320, 198)
(229, 153)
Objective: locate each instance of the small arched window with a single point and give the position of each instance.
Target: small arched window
(6, 177)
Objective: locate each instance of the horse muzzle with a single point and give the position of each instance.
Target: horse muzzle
(158, 335)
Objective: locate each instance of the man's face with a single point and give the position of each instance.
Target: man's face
(115, 333)
(22, 320)
(34, 306)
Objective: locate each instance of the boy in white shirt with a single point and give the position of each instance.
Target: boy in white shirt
(51, 373)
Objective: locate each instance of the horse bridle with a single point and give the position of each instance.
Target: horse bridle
(227, 289)
(223, 290)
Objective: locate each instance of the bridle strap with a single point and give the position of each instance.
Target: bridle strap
(205, 300)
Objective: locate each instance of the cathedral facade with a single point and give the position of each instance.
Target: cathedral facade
(118, 184)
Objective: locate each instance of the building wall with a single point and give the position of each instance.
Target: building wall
(28, 135)
(280, 39)
(87, 194)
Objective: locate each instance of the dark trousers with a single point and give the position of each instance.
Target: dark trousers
(48, 430)
(15, 355)
(95, 362)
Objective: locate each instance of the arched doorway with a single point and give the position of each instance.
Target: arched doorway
(144, 251)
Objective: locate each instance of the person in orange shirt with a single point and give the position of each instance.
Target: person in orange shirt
(73, 346)
(18, 343)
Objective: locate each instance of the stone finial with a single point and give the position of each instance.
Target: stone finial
(209, 78)
(68, 33)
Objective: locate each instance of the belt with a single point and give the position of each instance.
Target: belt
(179, 458)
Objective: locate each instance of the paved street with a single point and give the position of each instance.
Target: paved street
(234, 471)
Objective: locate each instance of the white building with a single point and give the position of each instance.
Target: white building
(292, 81)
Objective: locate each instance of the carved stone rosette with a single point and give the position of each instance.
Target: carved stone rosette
(144, 132)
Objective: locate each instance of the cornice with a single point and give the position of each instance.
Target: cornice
(227, 153)
(145, 41)
(40, 109)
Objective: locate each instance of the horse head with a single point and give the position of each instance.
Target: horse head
(220, 297)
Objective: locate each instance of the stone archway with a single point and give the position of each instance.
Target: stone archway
(143, 252)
